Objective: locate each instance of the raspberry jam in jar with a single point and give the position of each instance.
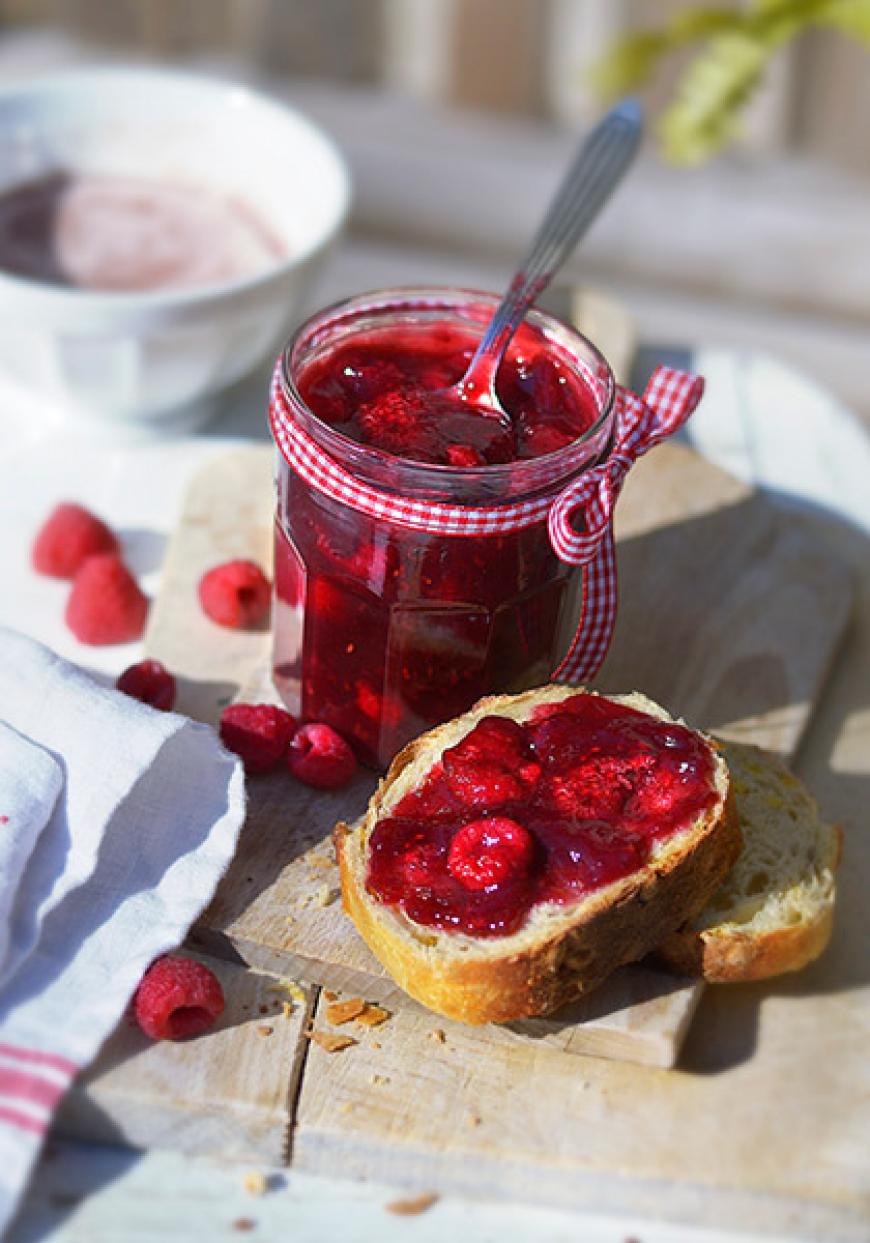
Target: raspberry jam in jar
(383, 630)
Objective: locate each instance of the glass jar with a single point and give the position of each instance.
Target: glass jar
(381, 630)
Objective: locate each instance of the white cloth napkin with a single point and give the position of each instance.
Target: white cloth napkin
(116, 823)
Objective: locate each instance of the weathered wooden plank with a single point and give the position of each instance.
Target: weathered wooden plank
(229, 1092)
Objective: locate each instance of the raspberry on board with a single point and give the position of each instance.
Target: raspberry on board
(69, 535)
(177, 998)
(490, 851)
(235, 594)
(106, 604)
(150, 682)
(320, 757)
(258, 733)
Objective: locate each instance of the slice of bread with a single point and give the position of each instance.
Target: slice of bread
(561, 950)
(775, 910)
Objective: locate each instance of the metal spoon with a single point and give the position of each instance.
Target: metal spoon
(597, 169)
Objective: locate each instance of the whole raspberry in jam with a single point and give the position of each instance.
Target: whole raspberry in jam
(176, 998)
(595, 787)
(490, 851)
(464, 455)
(394, 421)
(69, 535)
(259, 733)
(106, 604)
(492, 765)
(150, 682)
(320, 757)
(235, 594)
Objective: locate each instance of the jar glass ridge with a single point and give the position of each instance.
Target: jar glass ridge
(382, 630)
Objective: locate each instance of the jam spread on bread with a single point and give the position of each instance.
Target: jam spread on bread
(547, 810)
(386, 390)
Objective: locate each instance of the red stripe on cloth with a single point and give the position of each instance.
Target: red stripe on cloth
(35, 1057)
(29, 1087)
(24, 1121)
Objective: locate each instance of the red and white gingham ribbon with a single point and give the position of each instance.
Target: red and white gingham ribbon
(579, 520)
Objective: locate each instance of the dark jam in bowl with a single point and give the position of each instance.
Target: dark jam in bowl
(382, 630)
(545, 811)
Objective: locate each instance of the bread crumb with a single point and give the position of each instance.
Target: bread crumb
(408, 1208)
(373, 1016)
(255, 1183)
(343, 1011)
(330, 995)
(437, 1034)
(296, 991)
(473, 1120)
(379, 1079)
(376, 1044)
(324, 895)
(244, 1224)
(320, 861)
(289, 1009)
(263, 1029)
(330, 1041)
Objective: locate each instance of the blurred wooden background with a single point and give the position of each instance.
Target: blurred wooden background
(510, 56)
(457, 117)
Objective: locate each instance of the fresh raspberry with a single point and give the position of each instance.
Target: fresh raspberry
(106, 604)
(235, 594)
(320, 757)
(464, 455)
(488, 852)
(492, 765)
(259, 733)
(176, 998)
(69, 535)
(150, 682)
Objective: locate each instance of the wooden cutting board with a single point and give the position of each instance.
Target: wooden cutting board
(728, 615)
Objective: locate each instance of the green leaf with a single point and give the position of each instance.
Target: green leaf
(850, 17)
(737, 44)
(628, 64)
(691, 24)
(705, 114)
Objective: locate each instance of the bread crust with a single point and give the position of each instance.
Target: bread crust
(475, 982)
(723, 953)
(740, 957)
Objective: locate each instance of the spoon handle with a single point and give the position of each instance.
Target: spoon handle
(597, 169)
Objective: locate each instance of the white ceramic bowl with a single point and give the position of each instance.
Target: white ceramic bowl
(155, 358)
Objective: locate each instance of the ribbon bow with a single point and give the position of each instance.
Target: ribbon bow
(641, 423)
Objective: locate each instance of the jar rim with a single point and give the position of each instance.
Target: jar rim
(534, 472)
